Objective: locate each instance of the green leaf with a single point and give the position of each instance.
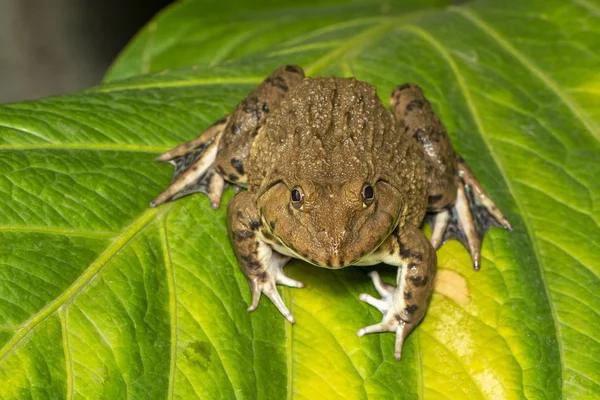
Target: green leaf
(101, 297)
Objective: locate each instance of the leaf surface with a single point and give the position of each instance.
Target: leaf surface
(101, 297)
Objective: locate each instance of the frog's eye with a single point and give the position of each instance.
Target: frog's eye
(368, 194)
(297, 197)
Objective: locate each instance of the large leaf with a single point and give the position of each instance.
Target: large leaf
(101, 297)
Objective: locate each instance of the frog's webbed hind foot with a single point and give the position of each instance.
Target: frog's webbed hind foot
(469, 218)
(194, 170)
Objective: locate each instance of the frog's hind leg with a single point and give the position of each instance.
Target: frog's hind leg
(220, 153)
(458, 207)
(469, 218)
(194, 170)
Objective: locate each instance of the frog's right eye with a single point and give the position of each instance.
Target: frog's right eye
(297, 197)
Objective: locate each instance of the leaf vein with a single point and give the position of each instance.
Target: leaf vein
(81, 283)
(172, 284)
(575, 108)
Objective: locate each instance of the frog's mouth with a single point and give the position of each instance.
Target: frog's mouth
(328, 260)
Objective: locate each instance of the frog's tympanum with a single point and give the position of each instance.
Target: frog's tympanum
(336, 179)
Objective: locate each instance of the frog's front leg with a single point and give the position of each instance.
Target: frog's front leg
(260, 263)
(459, 208)
(404, 305)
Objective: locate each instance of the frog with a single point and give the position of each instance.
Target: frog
(324, 172)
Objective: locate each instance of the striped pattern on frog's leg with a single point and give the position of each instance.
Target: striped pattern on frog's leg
(403, 306)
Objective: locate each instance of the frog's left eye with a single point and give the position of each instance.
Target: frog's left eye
(297, 197)
(368, 194)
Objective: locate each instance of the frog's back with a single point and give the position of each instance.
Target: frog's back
(330, 129)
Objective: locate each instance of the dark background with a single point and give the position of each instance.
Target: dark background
(51, 47)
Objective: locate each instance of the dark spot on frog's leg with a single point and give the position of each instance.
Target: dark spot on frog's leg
(403, 87)
(255, 132)
(254, 225)
(434, 198)
(238, 165)
(329, 263)
(278, 82)
(272, 224)
(414, 104)
(412, 266)
(263, 277)
(221, 170)
(235, 128)
(411, 309)
(418, 135)
(404, 252)
(233, 177)
(292, 68)
(265, 108)
(242, 234)
(407, 295)
(419, 281)
(251, 264)
(246, 258)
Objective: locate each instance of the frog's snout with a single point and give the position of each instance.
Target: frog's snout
(334, 246)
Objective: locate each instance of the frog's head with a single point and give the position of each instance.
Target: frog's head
(330, 224)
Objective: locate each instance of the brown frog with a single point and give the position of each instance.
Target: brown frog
(336, 179)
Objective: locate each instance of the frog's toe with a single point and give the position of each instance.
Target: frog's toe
(384, 289)
(372, 301)
(194, 172)
(486, 213)
(267, 285)
(469, 218)
(390, 323)
(384, 326)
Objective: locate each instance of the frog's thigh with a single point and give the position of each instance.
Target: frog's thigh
(249, 116)
(262, 266)
(415, 116)
(405, 305)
